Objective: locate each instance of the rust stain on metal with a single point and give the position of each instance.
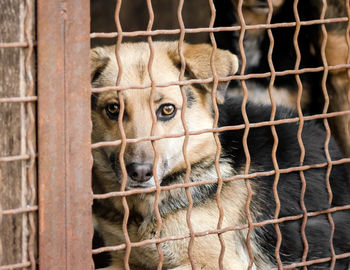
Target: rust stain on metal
(64, 136)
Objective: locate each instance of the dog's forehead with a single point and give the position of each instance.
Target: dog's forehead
(137, 66)
(139, 69)
(138, 73)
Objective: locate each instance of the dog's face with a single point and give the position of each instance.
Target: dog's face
(153, 115)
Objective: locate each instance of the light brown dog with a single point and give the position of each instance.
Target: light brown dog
(139, 158)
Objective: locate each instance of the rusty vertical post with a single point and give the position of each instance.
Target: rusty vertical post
(65, 197)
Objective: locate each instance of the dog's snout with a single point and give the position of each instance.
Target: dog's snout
(140, 172)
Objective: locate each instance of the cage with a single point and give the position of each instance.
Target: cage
(45, 156)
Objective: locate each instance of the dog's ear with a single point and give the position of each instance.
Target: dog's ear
(198, 65)
(98, 62)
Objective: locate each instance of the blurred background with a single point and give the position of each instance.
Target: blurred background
(195, 13)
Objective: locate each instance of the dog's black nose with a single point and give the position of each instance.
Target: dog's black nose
(140, 172)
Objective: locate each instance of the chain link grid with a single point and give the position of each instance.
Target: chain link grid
(297, 71)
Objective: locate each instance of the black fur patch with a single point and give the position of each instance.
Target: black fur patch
(95, 74)
(199, 193)
(102, 259)
(94, 99)
(260, 144)
(284, 55)
(190, 97)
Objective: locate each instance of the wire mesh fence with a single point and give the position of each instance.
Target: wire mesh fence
(18, 144)
(63, 121)
(247, 174)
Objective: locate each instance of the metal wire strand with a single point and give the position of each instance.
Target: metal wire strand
(275, 138)
(30, 133)
(186, 133)
(300, 129)
(123, 136)
(154, 123)
(16, 266)
(216, 29)
(18, 99)
(21, 210)
(216, 135)
(245, 134)
(328, 131)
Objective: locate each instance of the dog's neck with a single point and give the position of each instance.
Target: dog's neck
(141, 206)
(176, 199)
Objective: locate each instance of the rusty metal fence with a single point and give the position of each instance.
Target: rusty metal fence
(64, 127)
(18, 207)
(242, 77)
(149, 33)
(65, 226)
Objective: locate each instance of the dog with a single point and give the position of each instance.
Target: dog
(146, 170)
(310, 43)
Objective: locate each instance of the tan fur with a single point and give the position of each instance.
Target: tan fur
(338, 80)
(203, 218)
(137, 123)
(338, 85)
(339, 93)
(336, 50)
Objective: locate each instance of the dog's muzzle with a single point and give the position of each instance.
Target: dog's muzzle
(140, 172)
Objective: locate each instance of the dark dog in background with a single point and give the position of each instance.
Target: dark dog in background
(310, 38)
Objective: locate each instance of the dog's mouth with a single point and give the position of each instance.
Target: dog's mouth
(131, 184)
(138, 175)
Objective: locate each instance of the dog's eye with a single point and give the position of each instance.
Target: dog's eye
(112, 110)
(166, 112)
(168, 109)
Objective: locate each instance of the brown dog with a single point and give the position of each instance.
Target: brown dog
(161, 164)
(139, 158)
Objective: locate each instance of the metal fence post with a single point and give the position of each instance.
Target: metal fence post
(65, 197)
